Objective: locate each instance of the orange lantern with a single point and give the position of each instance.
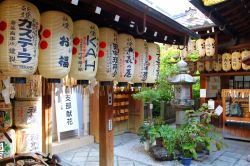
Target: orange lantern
(200, 46)
(55, 45)
(154, 62)
(236, 61)
(141, 61)
(226, 61)
(85, 59)
(126, 58)
(108, 55)
(245, 54)
(217, 65)
(19, 25)
(210, 46)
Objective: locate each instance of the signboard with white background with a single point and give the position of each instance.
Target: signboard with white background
(66, 111)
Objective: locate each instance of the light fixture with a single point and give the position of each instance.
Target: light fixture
(165, 38)
(208, 31)
(213, 29)
(74, 2)
(98, 10)
(145, 29)
(155, 34)
(117, 18)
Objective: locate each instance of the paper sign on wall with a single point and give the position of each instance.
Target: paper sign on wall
(218, 110)
(210, 104)
(66, 112)
(203, 93)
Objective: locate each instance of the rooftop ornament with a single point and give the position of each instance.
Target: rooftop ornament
(183, 100)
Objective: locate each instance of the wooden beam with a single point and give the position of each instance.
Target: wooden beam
(106, 126)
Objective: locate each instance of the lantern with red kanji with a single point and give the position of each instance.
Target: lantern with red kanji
(141, 61)
(126, 58)
(153, 62)
(55, 45)
(108, 55)
(85, 47)
(19, 25)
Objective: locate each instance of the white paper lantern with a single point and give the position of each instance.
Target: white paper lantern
(191, 46)
(141, 61)
(28, 140)
(200, 66)
(226, 61)
(209, 66)
(85, 58)
(245, 54)
(200, 46)
(28, 114)
(19, 25)
(210, 46)
(126, 58)
(217, 64)
(154, 62)
(9, 149)
(236, 61)
(55, 45)
(108, 55)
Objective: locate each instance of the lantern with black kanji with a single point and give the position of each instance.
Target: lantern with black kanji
(108, 55)
(208, 65)
(126, 58)
(217, 64)
(200, 66)
(85, 47)
(55, 45)
(200, 47)
(245, 54)
(210, 46)
(153, 62)
(19, 25)
(141, 61)
(236, 61)
(226, 61)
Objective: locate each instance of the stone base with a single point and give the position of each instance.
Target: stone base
(69, 144)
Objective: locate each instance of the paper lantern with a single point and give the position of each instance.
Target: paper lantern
(28, 140)
(236, 61)
(141, 61)
(9, 148)
(6, 117)
(126, 58)
(217, 65)
(210, 46)
(108, 55)
(212, 2)
(200, 47)
(226, 61)
(245, 54)
(55, 45)
(209, 66)
(154, 62)
(19, 25)
(191, 46)
(85, 59)
(184, 52)
(191, 67)
(200, 66)
(28, 114)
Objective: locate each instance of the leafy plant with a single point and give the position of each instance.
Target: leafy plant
(143, 132)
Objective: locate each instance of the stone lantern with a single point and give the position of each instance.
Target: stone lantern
(182, 101)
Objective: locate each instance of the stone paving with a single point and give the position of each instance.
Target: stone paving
(129, 152)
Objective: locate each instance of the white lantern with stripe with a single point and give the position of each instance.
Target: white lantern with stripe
(154, 62)
(217, 64)
(245, 54)
(226, 61)
(126, 58)
(86, 43)
(55, 45)
(141, 61)
(108, 55)
(19, 25)
(210, 46)
(236, 61)
(200, 47)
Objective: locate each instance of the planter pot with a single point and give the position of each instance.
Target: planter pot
(186, 161)
(146, 145)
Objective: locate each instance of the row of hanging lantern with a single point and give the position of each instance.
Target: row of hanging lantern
(225, 62)
(78, 49)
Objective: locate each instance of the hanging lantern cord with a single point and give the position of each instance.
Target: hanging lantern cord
(144, 22)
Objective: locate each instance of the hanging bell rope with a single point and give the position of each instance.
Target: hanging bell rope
(144, 22)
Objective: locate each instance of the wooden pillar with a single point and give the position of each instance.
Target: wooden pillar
(106, 134)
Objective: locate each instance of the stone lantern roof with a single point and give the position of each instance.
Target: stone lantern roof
(182, 77)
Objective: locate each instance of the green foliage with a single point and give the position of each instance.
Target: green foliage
(143, 132)
(196, 89)
(193, 57)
